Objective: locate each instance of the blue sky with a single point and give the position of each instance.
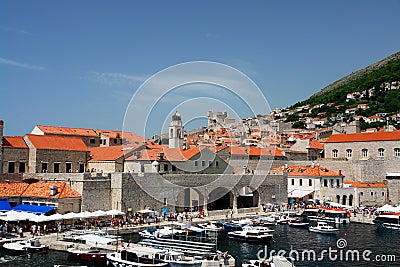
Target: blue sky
(78, 63)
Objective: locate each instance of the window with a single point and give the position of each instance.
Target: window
(349, 153)
(92, 140)
(115, 141)
(165, 167)
(196, 163)
(165, 201)
(292, 181)
(364, 152)
(334, 153)
(21, 167)
(397, 152)
(325, 183)
(44, 167)
(381, 152)
(68, 167)
(203, 163)
(173, 168)
(337, 183)
(383, 194)
(216, 163)
(11, 167)
(209, 163)
(372, 194)
(56, 167)
(301, 182)
(331, 183)
(309, 182)
(362, 193)
(81, 167)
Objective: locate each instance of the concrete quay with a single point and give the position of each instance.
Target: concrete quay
(362, 219)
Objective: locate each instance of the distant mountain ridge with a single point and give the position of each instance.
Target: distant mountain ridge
(355, 75)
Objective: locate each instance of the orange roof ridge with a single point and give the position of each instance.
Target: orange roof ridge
(14, 142)
(57, 142)
(364, 137)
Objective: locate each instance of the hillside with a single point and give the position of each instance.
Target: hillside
(372, 91)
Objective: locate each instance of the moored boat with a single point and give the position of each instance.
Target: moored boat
(25, 247)
(388, 221)
(274, 261)
(334, 215)
(252, 234)
(135, 257)
(93, 255)
(323, 228)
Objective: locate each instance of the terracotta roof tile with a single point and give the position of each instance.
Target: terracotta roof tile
(314, 144)
(256, 151)
(366, 185)
(364, 137)
(57, 142)
(14, 142)
(42, 189)
(107, 153)
(9, 189)
(56, 130)
(170, 154)
(308, 171)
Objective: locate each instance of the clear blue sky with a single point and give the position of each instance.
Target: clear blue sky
(77, 63)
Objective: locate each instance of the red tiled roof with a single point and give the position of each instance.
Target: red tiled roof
(57, 142)
(256, 151)
(170, 154)
(9, 189)
(314, 144)
(14, 142)
(42, 189)
(56, 130)
(307, 171)
(38, 189)
(366, 185)
(364, 137)
(107, 153)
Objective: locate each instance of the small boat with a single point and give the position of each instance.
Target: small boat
(388, 221)
(252, 234)
(94, 255)
(95, 240)
(167, 231)
(298, 223)
(274, 261)
(231, 226)
(323, 228)
(136, 257)
(210, 227)
(25, 247)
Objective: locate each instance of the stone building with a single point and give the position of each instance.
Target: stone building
(310, 182)
(362, 146)
(88, 136)
(56, 153)
(15, 154)
(218, 120)
(176, 160)
(108, 159)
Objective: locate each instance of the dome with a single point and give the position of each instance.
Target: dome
(176, 116)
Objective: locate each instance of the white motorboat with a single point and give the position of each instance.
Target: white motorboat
(253, 233)
(211, 227)
(25, 247)
(274, 261)
(167, 231)
(323, 228)
(388, 221)
(136, 256)
(94, 240)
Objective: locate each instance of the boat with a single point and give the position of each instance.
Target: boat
(252, 234)
(178, 259)
(136, 256)
(298, 223)
(274, 261)
(25, 247)
(204, 252)
(231, 226)
(94, 240)
(323, 228)
(93, 255)
(211, 227)
(166, 231)
(334, 215)
(388, 221)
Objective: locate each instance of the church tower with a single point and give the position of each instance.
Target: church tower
(175, 132)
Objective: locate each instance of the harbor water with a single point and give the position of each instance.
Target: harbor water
(354, 245)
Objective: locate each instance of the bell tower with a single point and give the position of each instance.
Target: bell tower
(175, 131)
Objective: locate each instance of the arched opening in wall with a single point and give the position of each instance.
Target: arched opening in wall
(247, 198)
(223, 199)
(351, 200)
(344, 200)
(189, 200)
(337, 199)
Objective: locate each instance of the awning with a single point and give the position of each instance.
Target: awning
(299, 193)
(4, 205)
(34, 208)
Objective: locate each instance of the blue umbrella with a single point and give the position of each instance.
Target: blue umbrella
(165, 210)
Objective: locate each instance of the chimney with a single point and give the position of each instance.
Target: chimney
(340, 172)
(53, 190)
(160, 156)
